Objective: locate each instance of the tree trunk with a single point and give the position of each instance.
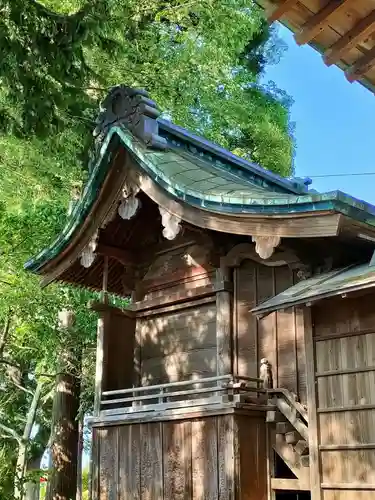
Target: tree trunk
(32, 488)
(23, 444)
(64, 445)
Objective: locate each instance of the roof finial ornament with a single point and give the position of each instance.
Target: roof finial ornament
(265, 245)
(171, 224)
(133, 109)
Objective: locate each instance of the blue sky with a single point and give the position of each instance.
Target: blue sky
(334, 120)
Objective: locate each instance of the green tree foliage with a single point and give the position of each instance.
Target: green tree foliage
(201, 60)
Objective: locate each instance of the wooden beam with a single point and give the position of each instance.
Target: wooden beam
(335, 409)
(315, 473)
(123, 256)
(348, 486)
(348, 371)
(361, 67)
(359, 32)
(288, 484)
(282, 8)
(319, 21)
(348, 446)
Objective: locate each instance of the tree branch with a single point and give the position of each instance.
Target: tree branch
(9, 363)
(21, 388)
(11, 432)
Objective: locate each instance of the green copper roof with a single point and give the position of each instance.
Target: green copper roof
(193, 170)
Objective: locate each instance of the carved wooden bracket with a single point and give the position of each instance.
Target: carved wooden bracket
(129, 202)
(171, 224)
(265, 245)
(89, 252)
(244, 251)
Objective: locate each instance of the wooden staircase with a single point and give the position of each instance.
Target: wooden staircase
(289, 436)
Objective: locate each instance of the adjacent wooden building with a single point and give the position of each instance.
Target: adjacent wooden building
(342, 30)
(244, 366)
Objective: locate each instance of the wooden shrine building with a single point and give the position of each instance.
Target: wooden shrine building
(342, 30)
(244, 366)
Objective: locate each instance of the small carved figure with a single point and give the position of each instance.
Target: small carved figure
(265, 373)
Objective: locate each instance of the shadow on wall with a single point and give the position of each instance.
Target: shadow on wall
(277, 337)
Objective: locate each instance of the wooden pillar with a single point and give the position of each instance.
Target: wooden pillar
(101, 342)
(224, 342)
(315, 475)
(100, 357)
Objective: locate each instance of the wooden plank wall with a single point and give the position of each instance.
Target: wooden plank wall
(178, 345)
(344, 337)
(277, 337)
(212, 458)
(177, 341)
(118, 351)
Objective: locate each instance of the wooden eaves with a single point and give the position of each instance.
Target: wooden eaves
(198, 183)
(342, 30)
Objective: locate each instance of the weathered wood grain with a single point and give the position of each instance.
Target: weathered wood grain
(345, 354)
(119, 352)
(226, 457)
(267, 330)
(315, 464)
(108, 463)
(177, 460)
(223, 324)
(204, 445)
(252, 473)
(178, 345)
(301, 356)
(286, 335)
(129, 462)
(95, 463)
(247, 334)
(151, 461)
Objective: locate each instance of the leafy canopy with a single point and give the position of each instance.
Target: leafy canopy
(200, 60)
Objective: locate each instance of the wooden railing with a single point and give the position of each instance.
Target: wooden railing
(187, 393)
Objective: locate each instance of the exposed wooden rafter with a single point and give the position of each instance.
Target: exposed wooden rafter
(361, 67)
(275, 13)
(357, 34)
(319, 21)
(125, 257)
